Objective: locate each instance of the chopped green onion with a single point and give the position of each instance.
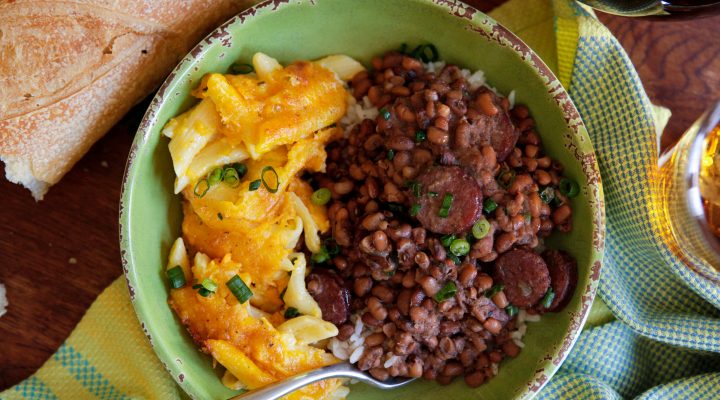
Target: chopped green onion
(447, 240)
(489, 205)
(239, 289)
(390, 154)
(414, 210)
(433, 194)
(231, 177)
(385, 114)
(395, 207)
(269, 168)
(220, 217)
(240, 168)
(321, 196)
(421, 53)
(201, 189)
(291, 312)
(511, 310)
(420, 136)
(447, 291)
(215, 176)
(494, 290)
(254, 185)
(321, 256)
(209, 284)
(332, 247)
(455, 259)
(481, 228)
(528, 217)
(569, 187)
(202, 291)
(548, 298)
(506, 178)
(445, 206)
(176, 276)
(459, 247)
(416, 188)
(241, 69)
(547, 194)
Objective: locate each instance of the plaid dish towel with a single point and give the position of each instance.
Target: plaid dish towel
(654, 335)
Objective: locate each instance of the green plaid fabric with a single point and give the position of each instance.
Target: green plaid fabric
(666, 339)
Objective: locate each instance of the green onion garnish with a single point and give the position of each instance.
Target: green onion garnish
(433, 194)
(459, 247)
(321, 256)
(390, 154)
(240, 168)
(201, 187)
(494, 290)
(506, 178)
(548, 298)
(201, 290)
(321, 196)
(481, 228)
(254, 185)
(447, 240)
(547, 194)
(421, 52)
(455, 259)
(489, 205)
(445, 206)
(209, 284)
(447, 291)
(241, 69)
(215, 176)
(220, 217)
(291, 312)
(269, 168)
(385, 114)
(420, 136)
(416, 187)
(231, 177)
(528, 217)
(511, 310)
(569, 187)
(414, 210)
(395, 207)
(176, 276)
(332, 247)
(239, 289)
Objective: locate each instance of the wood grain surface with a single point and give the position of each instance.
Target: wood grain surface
(57, 255)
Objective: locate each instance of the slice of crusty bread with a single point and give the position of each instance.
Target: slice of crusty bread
(69, 70)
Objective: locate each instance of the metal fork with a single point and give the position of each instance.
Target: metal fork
(341, 370)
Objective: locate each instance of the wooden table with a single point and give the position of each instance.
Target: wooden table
(57, 255)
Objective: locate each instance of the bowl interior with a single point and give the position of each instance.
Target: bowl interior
(151, 213)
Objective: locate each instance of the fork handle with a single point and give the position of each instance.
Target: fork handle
(285, 386)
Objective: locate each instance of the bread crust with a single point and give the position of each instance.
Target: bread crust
(69, 70)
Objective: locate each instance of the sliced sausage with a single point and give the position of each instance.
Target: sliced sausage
(525, 276)
(466, 206)
(496, 130)
(563, 277)
(329, 290)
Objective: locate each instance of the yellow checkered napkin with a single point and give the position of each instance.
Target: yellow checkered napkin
(666, 338)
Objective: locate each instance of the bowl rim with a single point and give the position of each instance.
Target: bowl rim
(484, 26)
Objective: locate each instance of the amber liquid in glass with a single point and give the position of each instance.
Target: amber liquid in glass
(710, 180)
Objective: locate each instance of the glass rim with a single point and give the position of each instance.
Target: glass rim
(694, 202)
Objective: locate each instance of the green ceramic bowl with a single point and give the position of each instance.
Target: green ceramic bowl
(307, 29)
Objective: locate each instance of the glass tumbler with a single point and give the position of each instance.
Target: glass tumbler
(690, 195)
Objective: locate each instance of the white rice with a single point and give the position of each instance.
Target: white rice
(391, 361)
(355, 356)
(494, 367)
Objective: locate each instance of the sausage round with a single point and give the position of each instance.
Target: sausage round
(563, 277)
(466, 206)
(331, 295)
(497, 130)
(525, 276)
